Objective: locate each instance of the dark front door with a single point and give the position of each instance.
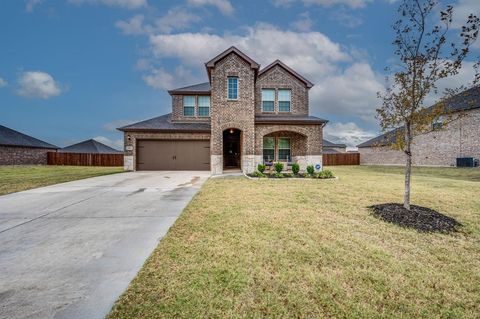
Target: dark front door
(231, 148)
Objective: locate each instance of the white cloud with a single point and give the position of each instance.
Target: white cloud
(163, 80)
(346, 19)
(30, 5)
(283, 3)
(134, 26)
(350, 3)
(346, 133)
(304, 23)
(36, 84)
(224, 6)
(3, 83)
(176, 18)
(352, 92)
(116, 144)
(462, 9)
(325, 3)
(128, 4)
(310, 53)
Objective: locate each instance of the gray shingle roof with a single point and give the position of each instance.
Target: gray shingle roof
(384, 139)
(90, 146)
(192, 89)
(164, 123)
(14, 138)
(466, 100)
(330, 144)
(297, 119)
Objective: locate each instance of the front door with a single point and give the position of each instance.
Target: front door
(231, 148)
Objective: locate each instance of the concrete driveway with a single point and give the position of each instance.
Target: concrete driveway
(69, 250)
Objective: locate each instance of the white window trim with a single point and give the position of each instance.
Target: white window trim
(238, 88)
(274, 95)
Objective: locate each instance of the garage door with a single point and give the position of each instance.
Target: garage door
(154, 155)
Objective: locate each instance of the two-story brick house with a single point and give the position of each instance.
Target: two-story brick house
(242, 117)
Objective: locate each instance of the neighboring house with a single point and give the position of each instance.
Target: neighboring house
(20, 149)
(440, 147)
(333, 148)
(242, 117)
(91, 147)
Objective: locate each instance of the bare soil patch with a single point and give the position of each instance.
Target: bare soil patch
(420, 218)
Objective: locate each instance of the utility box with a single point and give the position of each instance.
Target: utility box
(465, 162)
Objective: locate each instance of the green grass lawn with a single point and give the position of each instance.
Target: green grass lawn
(311, 249)
(19, 178)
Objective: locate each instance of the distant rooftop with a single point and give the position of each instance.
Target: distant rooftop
(90, 146)
(466, 100)
(331, 144)
(11, 137)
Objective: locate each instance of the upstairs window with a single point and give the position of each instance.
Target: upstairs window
(268, 149)
(203, 106)
(189, 105)
(284, 149)
(232, 88)
(268, 100)
(284, 99)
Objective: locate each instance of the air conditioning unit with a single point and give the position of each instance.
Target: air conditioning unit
(465, 162)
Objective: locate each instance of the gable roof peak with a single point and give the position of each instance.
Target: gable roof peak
(288, 69)
(234, 49)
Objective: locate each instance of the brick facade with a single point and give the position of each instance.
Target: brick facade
(460, 138)
(14, 155)
(278, 78)
(240, 114)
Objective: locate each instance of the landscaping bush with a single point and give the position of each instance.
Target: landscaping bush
(295, 168)
(261, 168)
(278, 167)
(325, 174)
(310, 170)
(277, 175)
(258, 174)
(288, 175)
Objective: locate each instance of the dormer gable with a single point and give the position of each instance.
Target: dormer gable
(211, 64)
(279, 63)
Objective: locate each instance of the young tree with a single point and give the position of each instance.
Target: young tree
(425, 56)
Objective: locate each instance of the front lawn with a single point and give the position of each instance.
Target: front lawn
(20, 178)
(311, 249)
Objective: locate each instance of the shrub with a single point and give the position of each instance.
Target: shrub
(261, 168)
(295, 168)
(310, 170)
(278, 167)
(258, 174)
(325, 174)
(287, 175)
(277, 175)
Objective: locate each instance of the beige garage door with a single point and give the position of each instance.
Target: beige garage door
(156, 155)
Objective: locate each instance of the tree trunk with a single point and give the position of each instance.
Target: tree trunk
(408, 166)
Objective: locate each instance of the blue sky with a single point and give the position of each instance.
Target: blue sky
(76, 69)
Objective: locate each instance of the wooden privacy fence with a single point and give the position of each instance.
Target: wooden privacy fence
(341, 159)
(84, 159)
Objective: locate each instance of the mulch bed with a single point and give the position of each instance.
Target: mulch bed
(420, 218)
